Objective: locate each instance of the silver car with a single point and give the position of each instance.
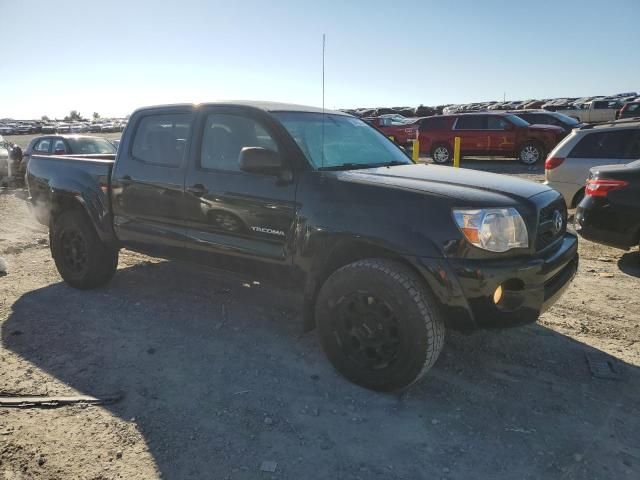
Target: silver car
(567, 166)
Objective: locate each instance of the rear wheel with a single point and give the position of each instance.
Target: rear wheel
(378, 324)
(531, 153)
(82, 259)
(441, 154)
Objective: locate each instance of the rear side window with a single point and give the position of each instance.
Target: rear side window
(434, 123)
(59, 147)
(471, 122)
(616, 144)
(42, 146)
(162, 139)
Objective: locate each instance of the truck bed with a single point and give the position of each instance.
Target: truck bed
(51, 178)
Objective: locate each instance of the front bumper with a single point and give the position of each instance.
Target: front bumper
(466, 287)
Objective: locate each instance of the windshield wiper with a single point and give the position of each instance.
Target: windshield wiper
(356, 166)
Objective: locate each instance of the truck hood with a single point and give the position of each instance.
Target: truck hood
(465, 185)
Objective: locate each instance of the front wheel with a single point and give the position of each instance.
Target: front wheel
(531, 153)
(378, 324)
(82, 259)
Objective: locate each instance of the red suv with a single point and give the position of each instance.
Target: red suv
(487, 134)
(402, 130)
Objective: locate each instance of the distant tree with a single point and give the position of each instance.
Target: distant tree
(73, 116)
(96, 115)
(44, 118)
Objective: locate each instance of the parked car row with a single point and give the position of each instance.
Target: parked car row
(32, 126)
(584, 109)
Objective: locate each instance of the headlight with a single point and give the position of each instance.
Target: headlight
(493, 229)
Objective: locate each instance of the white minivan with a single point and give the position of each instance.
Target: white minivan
(567, 166)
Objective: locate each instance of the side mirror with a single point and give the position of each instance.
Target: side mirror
(260, 160)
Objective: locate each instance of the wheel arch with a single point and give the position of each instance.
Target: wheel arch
(62, 200)
(344, 251)
(579, 195)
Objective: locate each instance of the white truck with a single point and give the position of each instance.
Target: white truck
(595, 111)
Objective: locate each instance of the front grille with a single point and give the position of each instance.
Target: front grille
(547, 227)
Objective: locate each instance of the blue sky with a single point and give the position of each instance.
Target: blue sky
(113, 56)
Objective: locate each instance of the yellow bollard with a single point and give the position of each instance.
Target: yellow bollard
(415, 150)
(456, 152)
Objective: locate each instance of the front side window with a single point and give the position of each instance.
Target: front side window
(332, 141)
(162, 139)
(471, 122)
(225, 135)
(604, 145)
(496, 123)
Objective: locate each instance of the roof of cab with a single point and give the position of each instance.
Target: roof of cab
(262, 105)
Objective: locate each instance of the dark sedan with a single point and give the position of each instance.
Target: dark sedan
(543, 117)
(610, 210)
(66, 145)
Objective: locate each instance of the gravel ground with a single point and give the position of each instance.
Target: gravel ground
(217, 381)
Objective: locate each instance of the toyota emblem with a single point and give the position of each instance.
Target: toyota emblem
(557, 221)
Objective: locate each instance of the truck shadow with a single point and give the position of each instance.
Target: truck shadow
(219, 378)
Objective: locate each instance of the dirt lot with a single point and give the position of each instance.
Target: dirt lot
(216, 378)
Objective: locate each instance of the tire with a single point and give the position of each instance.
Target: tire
(82, 259)
(379, 325)
(577, 198)
(531, 153)
(441, 154)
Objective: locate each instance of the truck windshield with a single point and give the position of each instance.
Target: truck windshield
(335, 142)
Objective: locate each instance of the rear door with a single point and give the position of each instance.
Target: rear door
(594, 149)
(148, 181)
(472, 130)
(231, 212)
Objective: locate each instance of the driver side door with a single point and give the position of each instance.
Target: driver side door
(230, 212)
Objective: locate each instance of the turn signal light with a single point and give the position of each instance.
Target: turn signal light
(553, 162)
(497, 295)
(601, 187)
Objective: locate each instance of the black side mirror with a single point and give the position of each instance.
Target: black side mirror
(260, 160)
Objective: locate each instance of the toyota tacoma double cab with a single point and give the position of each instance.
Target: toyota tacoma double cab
(387, 254)
(487, 134)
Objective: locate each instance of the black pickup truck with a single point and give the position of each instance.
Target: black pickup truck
(387, 254)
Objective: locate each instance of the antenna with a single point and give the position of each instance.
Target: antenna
(323, 48)
(323, 116)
